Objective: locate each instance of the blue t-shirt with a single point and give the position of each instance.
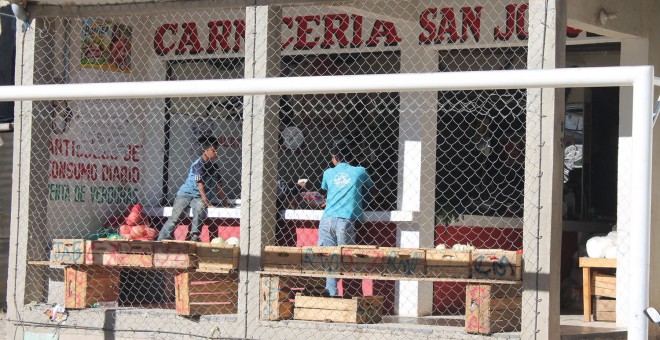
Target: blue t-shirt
(347, 188)
(200, 171)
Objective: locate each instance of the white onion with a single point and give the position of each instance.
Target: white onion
(610, 252)
(233, 241)
(441, 246)
(595, 247)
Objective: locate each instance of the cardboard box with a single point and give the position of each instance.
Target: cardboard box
(286, 259)
(356, 310)
(206, 293)
(216, 258)
(121, 253)
(603, 285)
(493, 308)
(496, 264)
(321, 260)
(447, 263)
(68, 251)
(176, 255)
(86, 285)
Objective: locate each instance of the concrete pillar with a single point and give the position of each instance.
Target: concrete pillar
(416, 178)
(19, 284)
(260, 133)
(543, 175)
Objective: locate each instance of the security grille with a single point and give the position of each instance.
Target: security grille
(437, 253)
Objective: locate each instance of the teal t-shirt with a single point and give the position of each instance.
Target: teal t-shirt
(347, 187)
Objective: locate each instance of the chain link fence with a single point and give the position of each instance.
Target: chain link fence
(440, 177)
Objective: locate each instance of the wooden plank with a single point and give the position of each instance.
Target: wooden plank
(586, 292)
(214, 297)
(404, 261)
(597, 262)
(324, 315)
(174, 255)
(321, 259)
(334, 303)
(496, 264)
(212, 308)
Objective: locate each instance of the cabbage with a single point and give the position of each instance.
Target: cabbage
(218, 240)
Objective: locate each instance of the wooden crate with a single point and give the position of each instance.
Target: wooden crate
(361, 260)
(492, 308)
(403, 262)
(496, 264)
(447, 263)
(85, 285)
(356, 310)
(68, 251)
(179, 255)
(122, 253)
(218, 258)
(604, 309)
(603, 285)
(206, 293)
(321, 260)
(275, 299)
(280, 259)
(386, 261)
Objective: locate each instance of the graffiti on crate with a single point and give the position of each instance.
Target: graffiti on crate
(405, 265)
(486, 264)
(362, 260)
(322, 261)
(68, 251)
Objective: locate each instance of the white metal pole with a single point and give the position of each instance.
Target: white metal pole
(516, 79)
(640, 233)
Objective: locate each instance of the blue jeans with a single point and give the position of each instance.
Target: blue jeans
(182, 202)
(335, 231)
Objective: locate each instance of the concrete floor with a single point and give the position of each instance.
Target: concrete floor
(574, 327)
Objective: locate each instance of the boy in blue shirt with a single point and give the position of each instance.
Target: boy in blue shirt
(203, 176)
(347, 189)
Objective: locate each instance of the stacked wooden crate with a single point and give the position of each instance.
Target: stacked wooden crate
(277, 294)
(447, 263)
(216, 258)
(175, 255)
(603, 288)
(385, 261)
(123, 253)
(282, 259)
(86, 285)
(365, 309)
(199, 293)
(496, 264)
(493, 308)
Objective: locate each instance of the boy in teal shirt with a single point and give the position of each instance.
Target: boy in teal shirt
(347, 189)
